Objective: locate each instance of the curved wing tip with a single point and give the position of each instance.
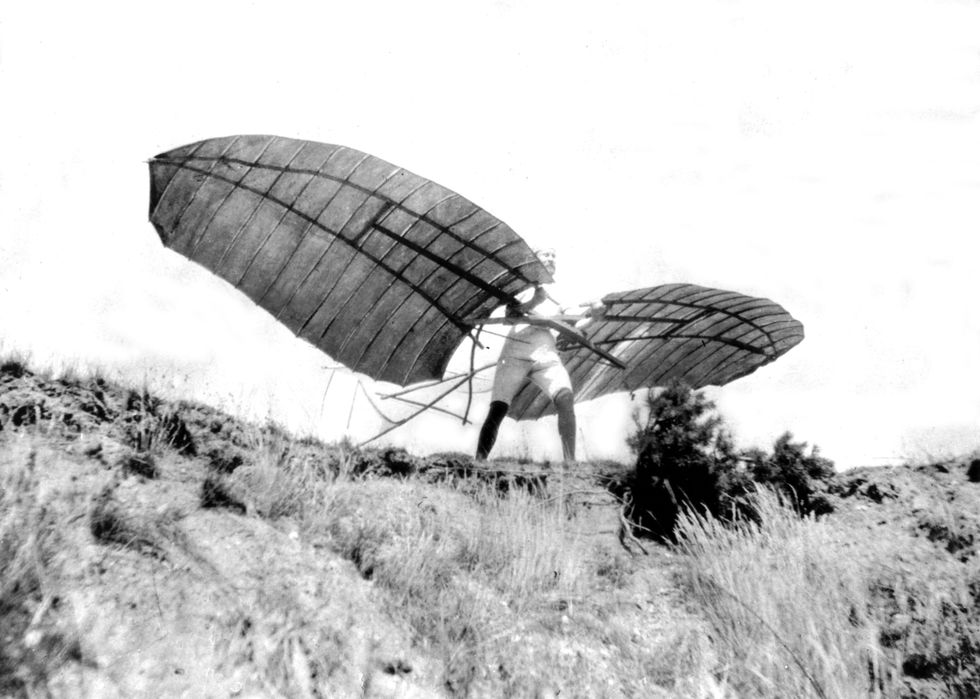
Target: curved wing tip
(160, 232)
(188, 147)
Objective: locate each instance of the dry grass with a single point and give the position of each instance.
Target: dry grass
(503, 594)
(289, 653)
(496, 587)
(34, 638)
(817, 608)
(461, 571)
(501, 586)
(789, 601)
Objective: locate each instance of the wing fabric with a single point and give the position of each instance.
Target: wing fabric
(376, 266)
(702, 336)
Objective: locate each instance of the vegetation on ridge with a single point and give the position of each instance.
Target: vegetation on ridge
(686, 459)
(243, 560)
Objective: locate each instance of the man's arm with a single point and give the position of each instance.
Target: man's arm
(587, 311)
(595, 309)
(590, 309)
(515, 310)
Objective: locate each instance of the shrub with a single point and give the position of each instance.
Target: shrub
(973, 471)
(687, 459)
(793, 471)
(684, 458)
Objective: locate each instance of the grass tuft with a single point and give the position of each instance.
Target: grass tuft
(788, 600)
(112, 521)
(215, 493)
(141, 464)
(15, 365)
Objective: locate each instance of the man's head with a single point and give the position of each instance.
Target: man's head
(547, 258)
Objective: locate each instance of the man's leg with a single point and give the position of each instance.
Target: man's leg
(507, 380)
(565, 404)
(488, 433)
(552, 378)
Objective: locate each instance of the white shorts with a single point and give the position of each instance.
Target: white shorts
(550, 376)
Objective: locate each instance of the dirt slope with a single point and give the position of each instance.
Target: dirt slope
(146, 560)
(923, 521)
(148, 594)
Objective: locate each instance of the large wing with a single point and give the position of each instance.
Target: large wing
(704, 337)
(374, 265)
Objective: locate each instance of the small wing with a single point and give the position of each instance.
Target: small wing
(702, 336)
(376, 266)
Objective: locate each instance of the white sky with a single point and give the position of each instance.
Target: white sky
(824, 155)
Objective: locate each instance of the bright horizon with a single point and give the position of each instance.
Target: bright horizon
(826, 157)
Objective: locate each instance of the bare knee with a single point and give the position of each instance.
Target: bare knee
(564, 400)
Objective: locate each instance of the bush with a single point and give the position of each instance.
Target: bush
(791, 470)
(973, 471)
(684, 458)
(687, 459)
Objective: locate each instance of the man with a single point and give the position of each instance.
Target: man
(530, 352)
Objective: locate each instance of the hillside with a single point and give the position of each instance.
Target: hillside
(156, 549)
(166, 549)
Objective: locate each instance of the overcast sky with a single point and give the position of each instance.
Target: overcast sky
(825, 155)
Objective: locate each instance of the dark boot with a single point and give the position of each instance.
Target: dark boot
(488, 433)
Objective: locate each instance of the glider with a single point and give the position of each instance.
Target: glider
(387, 272)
